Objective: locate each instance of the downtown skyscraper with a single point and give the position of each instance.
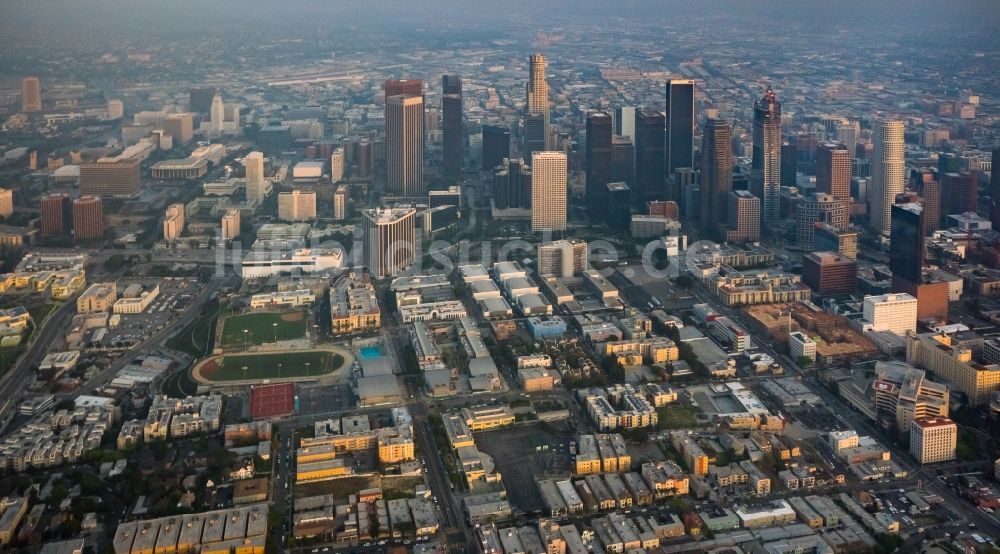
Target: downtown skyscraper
(548, 191)
(765, 171)
(649, 125)
(833, 170)
(625, 121)
(598, 158)
(512, 185)
(680, 130)
(404, 87)
(451, 125)
(888, 172)
(256, 184)
(496, 145)
(536, 107)
(716, 175)
(906, 257)
(31, 95)
(404, 145)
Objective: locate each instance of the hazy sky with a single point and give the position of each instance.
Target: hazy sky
(199, 13)
(56, 29)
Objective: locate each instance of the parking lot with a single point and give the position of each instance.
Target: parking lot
(820, 419)
(523, 452)
(641, 288)
(176, 294)
(133, 329)
(910, 516)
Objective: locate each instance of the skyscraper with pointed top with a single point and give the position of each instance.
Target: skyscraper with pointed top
(536, 107)
(217, 114)
(765, 171)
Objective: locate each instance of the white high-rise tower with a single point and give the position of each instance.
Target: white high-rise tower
(888, 172)
(337, 165)
(256, 184)
(218, 114)
(548, 191)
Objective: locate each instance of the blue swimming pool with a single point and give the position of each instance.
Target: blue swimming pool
(370, 352)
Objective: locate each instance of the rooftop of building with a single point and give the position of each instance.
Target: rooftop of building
(932, 422)
(385, 216)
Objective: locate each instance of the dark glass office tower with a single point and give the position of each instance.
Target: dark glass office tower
(789, 164)
(496, 145)
(200, 99)
(716, 174)
(619, 206)
(622, 160)
(649, 136)
(451, 84)
(680, 125)
(949, 163)
(451, 125)
(598, 158)
(512, 185)
(906, 255)
(959, 193)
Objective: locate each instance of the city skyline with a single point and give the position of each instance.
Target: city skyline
(319, 276)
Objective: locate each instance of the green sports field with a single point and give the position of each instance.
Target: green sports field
(262, 328)
(266, 366)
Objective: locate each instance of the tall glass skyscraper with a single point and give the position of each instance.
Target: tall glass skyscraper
(598, 158)
(536, 116)
(680, 125)
(451, 125)
(716, 174)
(404, 145)
(765, 171)
(649, 125)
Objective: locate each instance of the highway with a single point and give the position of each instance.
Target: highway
(155, 340)
(13, 383)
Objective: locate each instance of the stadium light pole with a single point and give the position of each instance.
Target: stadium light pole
(274, 326)
(245, 331)
(307, 369)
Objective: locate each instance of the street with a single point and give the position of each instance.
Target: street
(851, 419)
